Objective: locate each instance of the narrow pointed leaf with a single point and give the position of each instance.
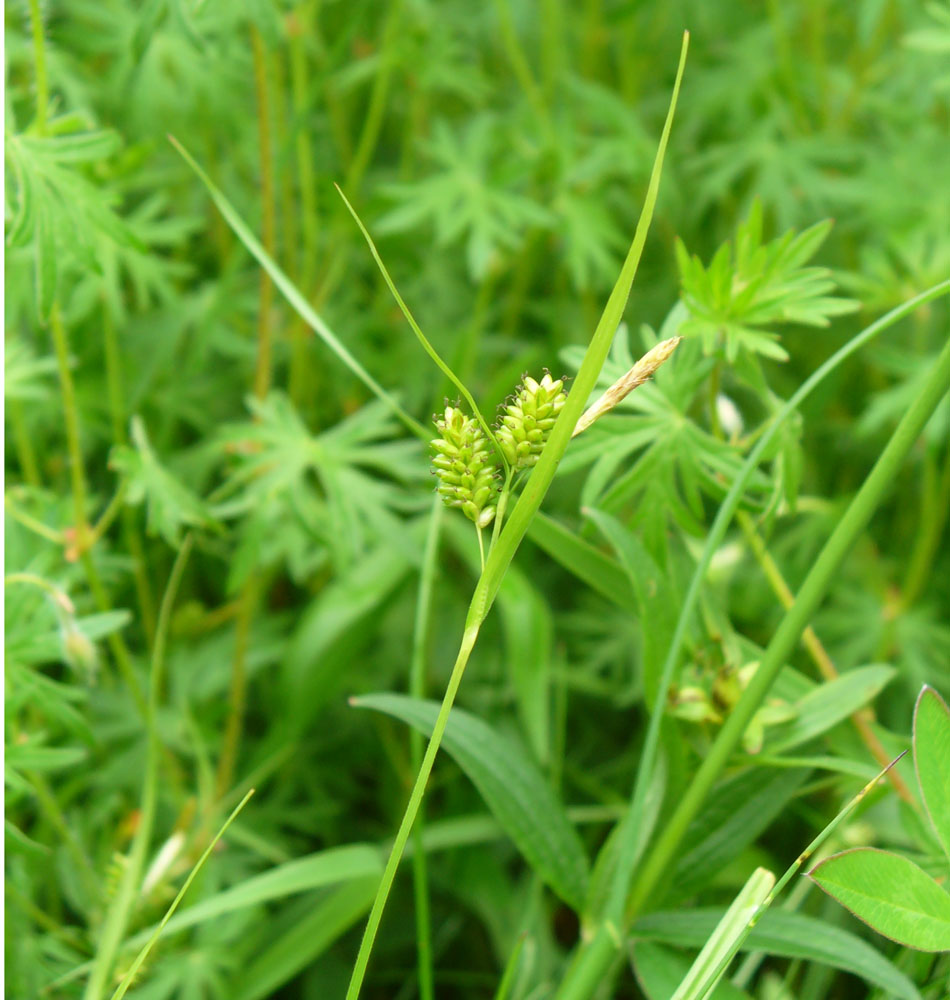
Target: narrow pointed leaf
(512, 787)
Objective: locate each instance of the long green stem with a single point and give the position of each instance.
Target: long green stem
(237, 694)
(373, 119)
(301, 376)
(863, 718)
(117, 918)
(415, 801)
(130, 529)
(71, 418)
(26, 455)
(78, 481)
(793, 624)
(39, 64)
(934, 510)
(417, 688)
(504, 549)
(262, 371)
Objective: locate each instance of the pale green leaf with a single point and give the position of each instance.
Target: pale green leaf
(891, 894)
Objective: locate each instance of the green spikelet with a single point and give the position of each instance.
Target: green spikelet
(528, 418)
(462, 461)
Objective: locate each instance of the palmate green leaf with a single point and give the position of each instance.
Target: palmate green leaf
(58, 209)
(474, 195)
(342, 485)
(512, 787)
(170, 505)
(25, 376)
(889, 893)
(786, 935)
(932, 760)
(659, 970)
(739, 299)
(826, 706)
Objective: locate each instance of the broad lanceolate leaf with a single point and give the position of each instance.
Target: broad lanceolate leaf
(739, 809)
(512, 787)
(891, 894)
(787, 935)
(827, 705)
(932, 760)
(598, 571)
(314, 930)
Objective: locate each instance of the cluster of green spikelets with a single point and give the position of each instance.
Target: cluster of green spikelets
(463, 460)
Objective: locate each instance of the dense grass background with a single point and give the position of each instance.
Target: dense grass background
(499, 153)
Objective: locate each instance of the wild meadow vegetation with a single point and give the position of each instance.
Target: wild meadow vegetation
(313, 694)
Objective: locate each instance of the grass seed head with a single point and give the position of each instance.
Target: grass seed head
(527, 419)
(462, 461)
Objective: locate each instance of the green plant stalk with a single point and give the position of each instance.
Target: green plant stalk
(78, 481)
(590, 965)
(26, 456)
(130, 529)
(71, 417)
(503, 551)
(117, 918)
(373, 119)
(30, 522)
(862, 719)
(415, 800)
(237, 692)
(301, 376)
(934, 510)
(39, 66)
(129, 978)
(812, 591)
(262, 371)
(520, 66)
(417, 689)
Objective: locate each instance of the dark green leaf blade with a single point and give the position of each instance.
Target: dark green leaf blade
(512, 787)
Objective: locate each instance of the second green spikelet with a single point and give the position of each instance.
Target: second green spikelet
(527, 419)
(464, 465)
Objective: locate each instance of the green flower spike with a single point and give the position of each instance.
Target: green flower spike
(527, 419)
(462, 461)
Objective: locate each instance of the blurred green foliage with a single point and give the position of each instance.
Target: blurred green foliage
(499, 154)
